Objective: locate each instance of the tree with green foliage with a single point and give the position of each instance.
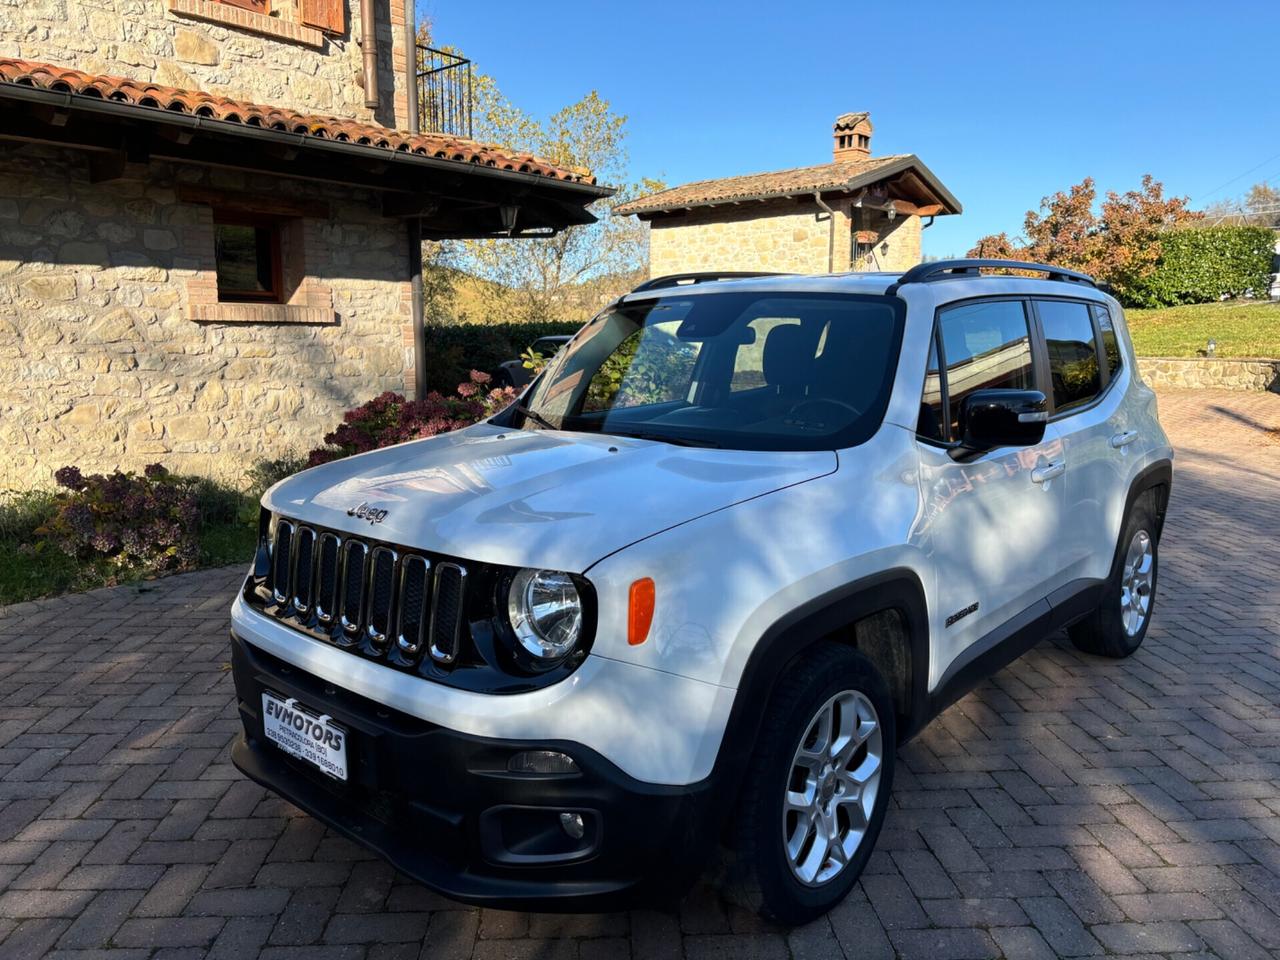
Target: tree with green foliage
(569, 275)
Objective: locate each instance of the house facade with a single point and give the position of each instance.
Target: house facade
(857, 212)
(211, 216)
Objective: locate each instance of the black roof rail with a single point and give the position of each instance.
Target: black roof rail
(946, 269)
(706, 276)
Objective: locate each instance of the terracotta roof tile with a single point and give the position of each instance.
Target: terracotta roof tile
(780, 183)
(198, 103)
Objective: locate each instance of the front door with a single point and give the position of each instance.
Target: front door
(990, 524)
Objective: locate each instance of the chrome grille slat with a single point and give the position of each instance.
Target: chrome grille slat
(382, 571)
(328, 576)
(304, 568)
(355, 556)
(415, 575)
(447, 605)
(282, 561)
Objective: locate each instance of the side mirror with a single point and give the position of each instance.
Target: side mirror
(1002, 418)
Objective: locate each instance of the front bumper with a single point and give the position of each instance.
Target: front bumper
(443, 809)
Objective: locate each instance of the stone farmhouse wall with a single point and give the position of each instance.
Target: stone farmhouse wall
(103, 362)
(218, 48)
(786, 236)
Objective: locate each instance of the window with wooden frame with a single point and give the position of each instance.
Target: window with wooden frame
(248, 255)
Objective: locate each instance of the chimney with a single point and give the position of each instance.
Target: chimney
(852, 134)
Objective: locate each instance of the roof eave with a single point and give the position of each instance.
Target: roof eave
(301, 141)
(854, 183)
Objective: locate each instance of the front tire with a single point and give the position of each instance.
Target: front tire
(1117, 628)
(817, 787)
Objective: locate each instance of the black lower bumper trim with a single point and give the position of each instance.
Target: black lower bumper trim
(427, 799)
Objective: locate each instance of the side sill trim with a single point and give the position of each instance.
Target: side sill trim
(1013, 638)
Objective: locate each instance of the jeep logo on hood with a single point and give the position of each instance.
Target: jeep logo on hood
(365, 512)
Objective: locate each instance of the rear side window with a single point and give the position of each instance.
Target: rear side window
(984, 346)
(1073, 352)
(1110, 345)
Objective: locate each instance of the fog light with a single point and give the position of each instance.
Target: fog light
(573, 825)
(542, 762)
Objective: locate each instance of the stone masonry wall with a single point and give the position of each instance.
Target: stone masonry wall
(216, 47)
(1212, 373)
(100, 363)
(785, 236)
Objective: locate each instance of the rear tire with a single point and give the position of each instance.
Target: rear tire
(1119, 624)
(817, 788)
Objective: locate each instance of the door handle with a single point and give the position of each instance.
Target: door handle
(1048, 472)
(1124, 439)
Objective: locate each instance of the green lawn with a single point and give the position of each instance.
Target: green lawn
(1242, 328)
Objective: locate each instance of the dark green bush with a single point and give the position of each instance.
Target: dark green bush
(1206, 264)
(454, 351)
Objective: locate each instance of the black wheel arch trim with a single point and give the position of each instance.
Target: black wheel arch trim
(897, 589)
(1157, 474)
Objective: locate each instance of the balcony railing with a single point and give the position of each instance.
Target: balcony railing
(444, 92)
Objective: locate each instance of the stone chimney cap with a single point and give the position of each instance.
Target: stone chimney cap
(847, 121)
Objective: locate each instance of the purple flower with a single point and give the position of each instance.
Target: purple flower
(70, 477)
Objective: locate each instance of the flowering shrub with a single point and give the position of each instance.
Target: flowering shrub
(390, 418)
(147, 523)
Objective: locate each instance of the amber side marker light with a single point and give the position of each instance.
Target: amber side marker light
(640, 611)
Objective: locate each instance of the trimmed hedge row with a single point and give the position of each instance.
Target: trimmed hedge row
(454, 351)
(1201, 265)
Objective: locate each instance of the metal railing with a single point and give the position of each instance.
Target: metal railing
(444, 92)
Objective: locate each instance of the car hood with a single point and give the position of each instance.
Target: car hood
(533, 498)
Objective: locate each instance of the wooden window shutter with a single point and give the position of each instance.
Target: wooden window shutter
(327, 15)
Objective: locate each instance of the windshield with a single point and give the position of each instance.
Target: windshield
(749, 371)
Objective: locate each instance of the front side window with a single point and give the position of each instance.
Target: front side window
(1073, 352)
(750, 371)
(985, 345)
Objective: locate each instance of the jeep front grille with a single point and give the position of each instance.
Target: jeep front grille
(365, 595)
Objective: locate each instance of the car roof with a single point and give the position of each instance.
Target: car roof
(949, 280)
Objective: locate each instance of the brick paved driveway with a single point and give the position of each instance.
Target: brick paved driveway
(1071, 806)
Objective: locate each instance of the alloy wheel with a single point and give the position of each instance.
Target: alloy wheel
(1136, 582)
(832, 787)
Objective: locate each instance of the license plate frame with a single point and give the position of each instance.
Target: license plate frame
(305, 734)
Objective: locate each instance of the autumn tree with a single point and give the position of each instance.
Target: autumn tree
(1118, 242)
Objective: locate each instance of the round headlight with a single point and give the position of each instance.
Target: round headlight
(545, 612)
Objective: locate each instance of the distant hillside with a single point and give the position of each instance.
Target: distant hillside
(476, 300)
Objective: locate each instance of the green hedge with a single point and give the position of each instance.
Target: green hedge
(454, 351)
(1207, 264)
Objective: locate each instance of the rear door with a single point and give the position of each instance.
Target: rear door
(992, 523)
(1086, 391)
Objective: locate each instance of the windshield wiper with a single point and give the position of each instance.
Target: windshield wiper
(664, 438)
(533, 415)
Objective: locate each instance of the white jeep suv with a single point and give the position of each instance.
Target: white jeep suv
(738, 541)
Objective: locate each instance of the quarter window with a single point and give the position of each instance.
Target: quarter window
(1110, 345)
(985, 346)
(1073, 352)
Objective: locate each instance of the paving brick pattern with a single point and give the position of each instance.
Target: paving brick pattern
(1071, 806)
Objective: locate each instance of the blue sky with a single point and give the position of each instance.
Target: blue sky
(1005, 102)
